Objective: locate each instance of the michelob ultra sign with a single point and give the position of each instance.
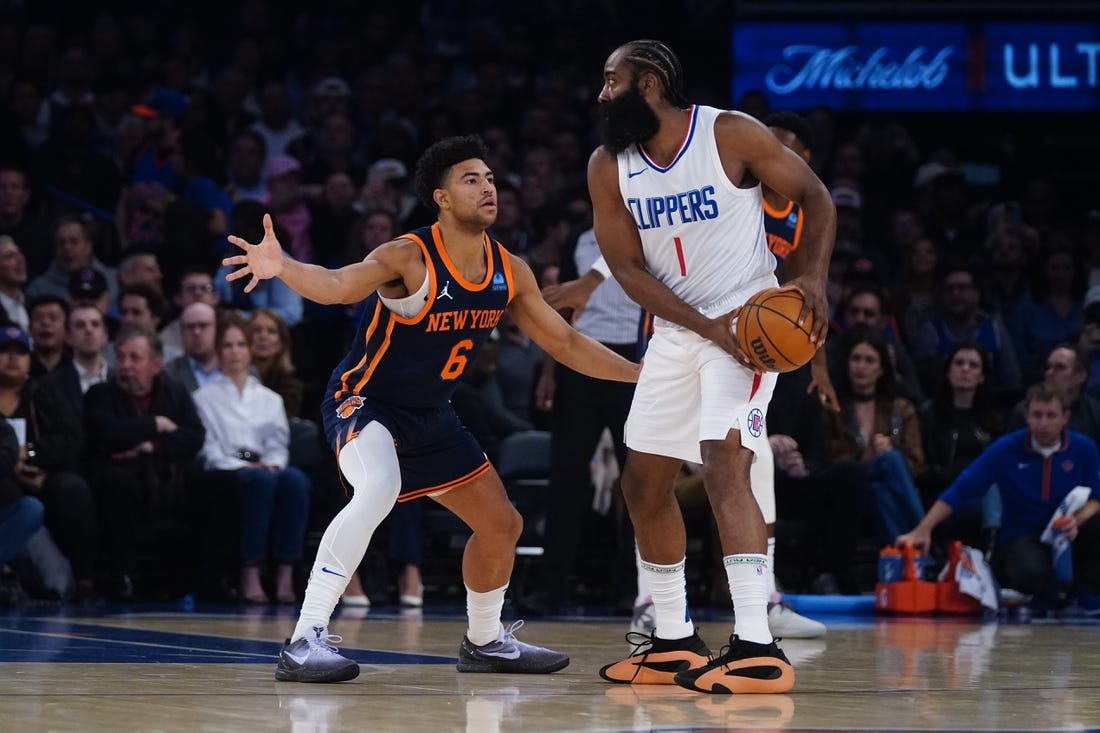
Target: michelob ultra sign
(920, 66)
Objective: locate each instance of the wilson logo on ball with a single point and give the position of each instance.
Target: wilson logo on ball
(761, 353)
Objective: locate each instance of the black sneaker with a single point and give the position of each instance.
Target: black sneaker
(743, 666)
(509, 654)
(312, 659)
(656, 661)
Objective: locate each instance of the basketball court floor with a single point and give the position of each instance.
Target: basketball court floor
(149, 668)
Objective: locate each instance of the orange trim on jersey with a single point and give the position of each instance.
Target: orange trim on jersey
(506, 265)
(776, 213)
(382, 348)
(797, 231)
(366, 341)
(458, 482)
(450, 265)
(432, 280)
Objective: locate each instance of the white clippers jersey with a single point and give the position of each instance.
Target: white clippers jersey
(702, 236)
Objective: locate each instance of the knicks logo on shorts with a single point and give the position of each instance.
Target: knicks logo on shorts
(349, 406)
(756, 422)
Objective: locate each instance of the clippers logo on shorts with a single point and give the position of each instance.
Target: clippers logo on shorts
(348, 407)
(756, 422)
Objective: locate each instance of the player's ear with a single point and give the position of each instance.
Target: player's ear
(442, 200)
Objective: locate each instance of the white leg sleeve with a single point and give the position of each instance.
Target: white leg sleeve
(369, 463)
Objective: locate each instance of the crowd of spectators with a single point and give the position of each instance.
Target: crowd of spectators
(132, 143)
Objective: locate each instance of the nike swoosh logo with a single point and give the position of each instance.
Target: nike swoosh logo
(630, 174)
(514, 654)
(331, 572)
(297, 660)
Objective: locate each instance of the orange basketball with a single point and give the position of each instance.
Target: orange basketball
(768, 333)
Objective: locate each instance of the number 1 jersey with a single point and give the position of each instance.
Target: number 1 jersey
(701, 235)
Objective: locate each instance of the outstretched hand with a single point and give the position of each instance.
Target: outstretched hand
(262, 261)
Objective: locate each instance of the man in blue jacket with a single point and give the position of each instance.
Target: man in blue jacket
(1035, 469)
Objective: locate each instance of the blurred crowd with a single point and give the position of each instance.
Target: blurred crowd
(165, 420)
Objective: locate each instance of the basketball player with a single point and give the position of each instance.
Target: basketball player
(434, 295)
(678, 214)
(783, 227)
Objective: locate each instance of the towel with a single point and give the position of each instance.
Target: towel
(1053, 536)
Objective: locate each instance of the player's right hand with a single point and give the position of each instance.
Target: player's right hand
(262, 261)
(722, 331)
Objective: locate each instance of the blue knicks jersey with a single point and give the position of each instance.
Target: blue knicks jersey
(416, 361)
(783, 229)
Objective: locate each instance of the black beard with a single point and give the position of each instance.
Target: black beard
(627, 120)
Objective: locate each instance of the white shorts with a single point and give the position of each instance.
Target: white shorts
(690, 390)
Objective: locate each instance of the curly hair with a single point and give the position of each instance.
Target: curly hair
(433, 165)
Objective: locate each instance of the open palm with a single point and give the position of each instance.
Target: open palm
(262, 261)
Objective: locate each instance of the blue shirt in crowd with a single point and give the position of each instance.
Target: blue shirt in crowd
(1031, 486)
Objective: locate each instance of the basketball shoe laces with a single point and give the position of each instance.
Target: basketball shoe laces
(506, 639)
(726, 649)
(642, 641)
(324, 645)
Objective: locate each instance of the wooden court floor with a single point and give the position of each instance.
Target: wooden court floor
(156, 669)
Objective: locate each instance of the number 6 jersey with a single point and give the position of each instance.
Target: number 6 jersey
(410, 352)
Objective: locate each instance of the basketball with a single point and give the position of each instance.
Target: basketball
(768, 333)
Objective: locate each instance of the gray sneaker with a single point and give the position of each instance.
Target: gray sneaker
(312, 659)
(508, 654)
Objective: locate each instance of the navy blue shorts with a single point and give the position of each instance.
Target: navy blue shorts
(434, 449)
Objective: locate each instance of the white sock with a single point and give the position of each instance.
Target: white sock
(668, 585)
(772, 589)
(645, 595)
(483, 612)
(747, 574)
(347, 536)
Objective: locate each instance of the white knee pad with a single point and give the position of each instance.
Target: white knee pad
(762, 480)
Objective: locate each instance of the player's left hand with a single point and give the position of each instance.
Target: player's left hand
(813, 292)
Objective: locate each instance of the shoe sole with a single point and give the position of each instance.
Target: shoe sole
(487, 667)
(719, 681)
(343, 674)
(637, 670)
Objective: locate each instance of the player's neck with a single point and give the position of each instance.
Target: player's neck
(665, 145)
(463, 241)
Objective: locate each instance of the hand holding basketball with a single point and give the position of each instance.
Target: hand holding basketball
(768, 333)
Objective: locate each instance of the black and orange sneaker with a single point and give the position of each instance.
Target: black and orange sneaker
(656, 661)
(743, 666)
